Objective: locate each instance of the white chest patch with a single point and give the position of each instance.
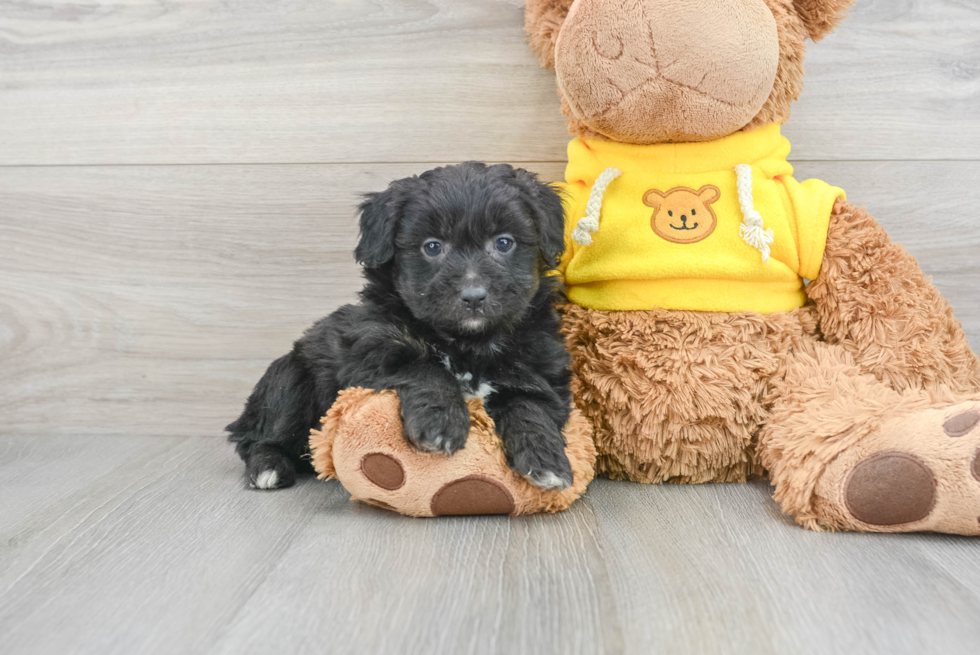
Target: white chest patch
(480, 392)
(469, 392)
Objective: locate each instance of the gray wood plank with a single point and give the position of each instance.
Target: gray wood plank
(39, 474)
(206, 81)
(718, 569)
(170, 553)
(153, 559)
(374, 582)
(148, 300)
(164, 292)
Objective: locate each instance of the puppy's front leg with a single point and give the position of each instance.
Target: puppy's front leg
(530, 428)
(380, 355)
(434, 413)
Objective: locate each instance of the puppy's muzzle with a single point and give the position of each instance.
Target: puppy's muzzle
(473, 297)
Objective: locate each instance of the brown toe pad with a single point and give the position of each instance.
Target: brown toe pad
(472, 495)
(976, 466)
(890, 489)
(383, 470)
(961, 424)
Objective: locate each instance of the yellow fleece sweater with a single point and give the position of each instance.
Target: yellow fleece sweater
(670, 230)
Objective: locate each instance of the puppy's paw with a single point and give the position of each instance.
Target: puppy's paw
(543, 465)
(362, 444)
(268, 468)
(436, 425)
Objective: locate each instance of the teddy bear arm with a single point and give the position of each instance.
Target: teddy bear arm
(874, 300)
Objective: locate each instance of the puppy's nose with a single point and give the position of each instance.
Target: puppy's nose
(473, 296)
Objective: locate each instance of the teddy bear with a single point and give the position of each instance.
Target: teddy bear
(726, 321)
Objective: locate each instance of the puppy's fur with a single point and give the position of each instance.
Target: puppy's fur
(471, 316)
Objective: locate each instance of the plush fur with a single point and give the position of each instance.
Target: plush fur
(874, 300)
(679, 396)
(821, 16)
(829, 414)
(873, 374)
(458, 301)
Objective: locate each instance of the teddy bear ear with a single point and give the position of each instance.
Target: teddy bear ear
(709, 194)
(821, 16)
(542, 22)
(653, 198)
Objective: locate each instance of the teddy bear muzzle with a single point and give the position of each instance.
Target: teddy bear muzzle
(638, 71)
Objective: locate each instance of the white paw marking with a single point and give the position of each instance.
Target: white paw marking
(433, 445)
(266, 480)
(546, 480)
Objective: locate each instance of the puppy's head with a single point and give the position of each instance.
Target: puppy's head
(464, 246)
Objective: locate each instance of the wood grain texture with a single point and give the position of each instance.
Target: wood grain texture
(149, 300)
(40, 477)
(155, 557)
(177, 190)
(773, 587)
(166, 552)
(207, 81)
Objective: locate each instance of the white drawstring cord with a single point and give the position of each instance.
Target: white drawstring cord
(589, 224)
(752, 230)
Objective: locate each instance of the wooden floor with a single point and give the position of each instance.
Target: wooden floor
(177, 191)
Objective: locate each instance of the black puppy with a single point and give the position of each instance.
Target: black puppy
(457, 304)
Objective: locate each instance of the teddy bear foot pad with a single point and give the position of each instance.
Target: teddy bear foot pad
(473, 494)
(919, 473)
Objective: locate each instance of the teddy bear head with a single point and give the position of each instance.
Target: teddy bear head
(663, 71)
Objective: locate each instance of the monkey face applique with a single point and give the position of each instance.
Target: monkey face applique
(683, 215)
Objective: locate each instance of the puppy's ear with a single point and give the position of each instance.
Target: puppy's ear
(547, 211)
(380, 216)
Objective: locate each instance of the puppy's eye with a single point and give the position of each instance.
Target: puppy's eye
(503, 243)
(432, 248)
(670, 213)
(693, 213)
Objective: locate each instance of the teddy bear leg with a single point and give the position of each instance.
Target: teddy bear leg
(361, 444)
(848, 452)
